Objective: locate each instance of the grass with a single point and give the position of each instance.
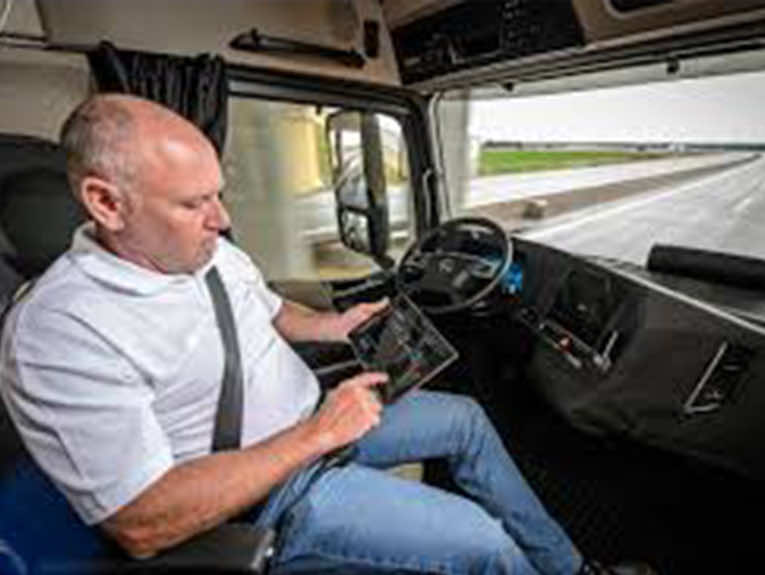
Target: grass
(503, 160)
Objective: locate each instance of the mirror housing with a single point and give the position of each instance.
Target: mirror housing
(358, 181)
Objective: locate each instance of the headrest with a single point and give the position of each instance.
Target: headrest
(37, 217)
(19, 153)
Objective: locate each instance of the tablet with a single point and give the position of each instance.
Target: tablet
(402, 342)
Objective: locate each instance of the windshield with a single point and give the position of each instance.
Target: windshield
(610, 172)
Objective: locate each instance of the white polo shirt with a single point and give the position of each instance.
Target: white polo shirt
(112, 372)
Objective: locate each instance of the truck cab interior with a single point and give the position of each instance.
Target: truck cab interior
(622, 363)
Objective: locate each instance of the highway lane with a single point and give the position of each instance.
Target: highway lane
(317, 210)
(494, 189)
(723, 212)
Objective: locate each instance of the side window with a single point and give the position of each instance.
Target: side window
(279, 175)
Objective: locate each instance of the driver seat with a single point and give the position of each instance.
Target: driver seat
(37, 217)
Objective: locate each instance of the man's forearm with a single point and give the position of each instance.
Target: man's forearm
(205, 492)
(299, 323)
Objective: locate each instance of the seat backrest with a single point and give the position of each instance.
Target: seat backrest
(36, 209)
(38, 215)
(10, 281)
(37, 524)
(10, 562)
(39, 531)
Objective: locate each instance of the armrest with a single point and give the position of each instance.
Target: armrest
(231, 548)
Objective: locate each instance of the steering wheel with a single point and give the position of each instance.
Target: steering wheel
(455, 265)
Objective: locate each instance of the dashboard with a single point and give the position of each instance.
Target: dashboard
(621, 351)
(617, 351)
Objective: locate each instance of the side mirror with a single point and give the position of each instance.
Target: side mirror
(358, 180)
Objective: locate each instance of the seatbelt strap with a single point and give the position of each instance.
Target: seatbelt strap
(228, 419)
(21, 291)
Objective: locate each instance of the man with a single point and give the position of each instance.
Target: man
(112, 368)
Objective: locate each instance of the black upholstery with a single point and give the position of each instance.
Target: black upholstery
(11, 449)
(39, 532)
(19, 153)
(10, 281)
(28, 199)
(33, 189)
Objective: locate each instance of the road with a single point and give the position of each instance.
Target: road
(722, 212)
(317, 211)
(494, 189)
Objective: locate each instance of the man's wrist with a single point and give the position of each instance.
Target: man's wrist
(332, 328)
(317, 441)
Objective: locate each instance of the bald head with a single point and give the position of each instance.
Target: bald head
(120, 137)
(149, 179)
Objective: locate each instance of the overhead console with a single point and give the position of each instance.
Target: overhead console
(468, 35)
(453, 44)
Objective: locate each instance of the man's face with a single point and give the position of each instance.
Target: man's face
(174, 215)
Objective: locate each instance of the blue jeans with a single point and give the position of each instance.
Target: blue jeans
(360, 518)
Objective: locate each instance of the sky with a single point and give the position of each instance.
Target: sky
(713, 109)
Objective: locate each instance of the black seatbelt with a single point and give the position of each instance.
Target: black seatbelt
(228, 419)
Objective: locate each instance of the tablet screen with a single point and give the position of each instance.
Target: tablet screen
(402, 342)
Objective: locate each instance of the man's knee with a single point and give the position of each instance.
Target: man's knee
(494, 551)
(473, 407)
(470, 411)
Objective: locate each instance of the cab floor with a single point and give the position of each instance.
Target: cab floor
(619, 500)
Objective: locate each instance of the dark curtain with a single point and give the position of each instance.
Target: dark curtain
(196, 87)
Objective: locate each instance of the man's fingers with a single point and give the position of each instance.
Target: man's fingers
(368, 379)
(366, 310)
(358, 314)
(377, 306)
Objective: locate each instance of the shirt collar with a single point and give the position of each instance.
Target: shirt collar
(119, 273)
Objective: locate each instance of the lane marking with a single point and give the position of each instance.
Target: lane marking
(543, 233)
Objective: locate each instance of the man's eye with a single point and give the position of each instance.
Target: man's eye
(192, 204)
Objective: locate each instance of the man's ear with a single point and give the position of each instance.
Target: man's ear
(105, 202)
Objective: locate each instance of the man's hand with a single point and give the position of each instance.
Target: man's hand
(349, 411)
(357, 315)
(299, 323)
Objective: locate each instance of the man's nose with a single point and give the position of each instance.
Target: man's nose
(219, 218)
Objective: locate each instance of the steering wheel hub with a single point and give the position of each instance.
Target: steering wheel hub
(455, 265)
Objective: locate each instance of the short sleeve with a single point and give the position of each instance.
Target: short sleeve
(271, 300)
(83, 412)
